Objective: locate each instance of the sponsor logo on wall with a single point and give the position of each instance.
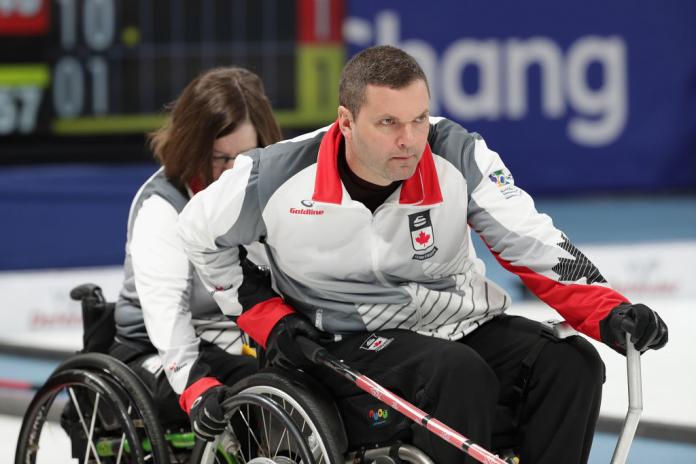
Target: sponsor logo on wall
(596, 114)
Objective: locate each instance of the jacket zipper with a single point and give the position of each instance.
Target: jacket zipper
(374, 250)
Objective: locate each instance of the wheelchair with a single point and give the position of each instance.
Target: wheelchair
(95, 409)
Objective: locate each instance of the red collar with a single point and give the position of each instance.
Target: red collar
(196, 185)
(422, 188)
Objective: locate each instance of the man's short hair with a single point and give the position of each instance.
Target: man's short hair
(382, 65)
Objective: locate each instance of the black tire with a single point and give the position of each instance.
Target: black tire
(308, 404)
(131, 393)
(137, 395)
(99, 399)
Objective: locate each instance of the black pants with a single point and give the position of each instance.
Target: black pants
(466, 384)
(227, 368)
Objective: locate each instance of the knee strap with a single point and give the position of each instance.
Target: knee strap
(520, 388)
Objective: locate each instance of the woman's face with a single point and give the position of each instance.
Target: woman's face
(226, 149)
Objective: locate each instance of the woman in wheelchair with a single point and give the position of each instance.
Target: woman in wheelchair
(220, 114)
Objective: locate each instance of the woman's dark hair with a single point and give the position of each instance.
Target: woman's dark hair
(211, 106)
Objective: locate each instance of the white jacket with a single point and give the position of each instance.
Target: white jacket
(410, 265)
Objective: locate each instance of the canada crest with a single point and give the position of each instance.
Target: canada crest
(422, 235)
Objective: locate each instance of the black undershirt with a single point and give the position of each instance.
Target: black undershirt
(369, 194)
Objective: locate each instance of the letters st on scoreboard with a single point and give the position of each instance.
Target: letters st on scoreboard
(63, 71)
(22, 85)
(98, 67)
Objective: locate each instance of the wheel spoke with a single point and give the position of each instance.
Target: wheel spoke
(270, 428)
(73, 398)
(289, 444)
(265, 432)
(248, 435)
(123, 440)
(290, 410)
(250, 431)
(290, 453)
(120, 448)
(241, 455)
(90, 443)
(280, 441)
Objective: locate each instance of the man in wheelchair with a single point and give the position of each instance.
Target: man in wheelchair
(367, 223)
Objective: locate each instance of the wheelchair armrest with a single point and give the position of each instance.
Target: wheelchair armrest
(561, 329)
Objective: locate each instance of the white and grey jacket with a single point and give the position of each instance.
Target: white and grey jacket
(410, 265)
(161, 293)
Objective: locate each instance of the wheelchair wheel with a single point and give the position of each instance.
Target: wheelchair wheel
(260, 432)
(134, 394)
(95, 410)
(305, 403)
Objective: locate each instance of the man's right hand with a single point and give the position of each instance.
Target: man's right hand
(282, 348)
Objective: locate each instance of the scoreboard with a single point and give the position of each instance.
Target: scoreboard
(108, 67)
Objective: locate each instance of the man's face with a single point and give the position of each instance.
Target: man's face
(386, 140)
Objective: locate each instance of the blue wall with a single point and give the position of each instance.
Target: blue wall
(575, 96)
(66, 216)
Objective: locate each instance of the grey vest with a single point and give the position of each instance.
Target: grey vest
(130, 324)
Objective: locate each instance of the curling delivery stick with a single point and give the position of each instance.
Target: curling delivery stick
(635, 404)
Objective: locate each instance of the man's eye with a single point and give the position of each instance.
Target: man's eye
(387, 122)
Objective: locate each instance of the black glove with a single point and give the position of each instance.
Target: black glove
(281, 347)
(647, 329)
(206, 414)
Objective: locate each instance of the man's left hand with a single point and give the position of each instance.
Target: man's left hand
(648, 331)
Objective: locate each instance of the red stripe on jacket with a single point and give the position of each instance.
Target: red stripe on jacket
(258, 321)
(583, 306)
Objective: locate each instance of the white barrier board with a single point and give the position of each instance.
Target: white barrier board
(37, 310)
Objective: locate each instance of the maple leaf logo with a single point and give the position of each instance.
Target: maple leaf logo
(423, 238)
(572, 270)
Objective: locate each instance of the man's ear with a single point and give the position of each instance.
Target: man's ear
(345, 121)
